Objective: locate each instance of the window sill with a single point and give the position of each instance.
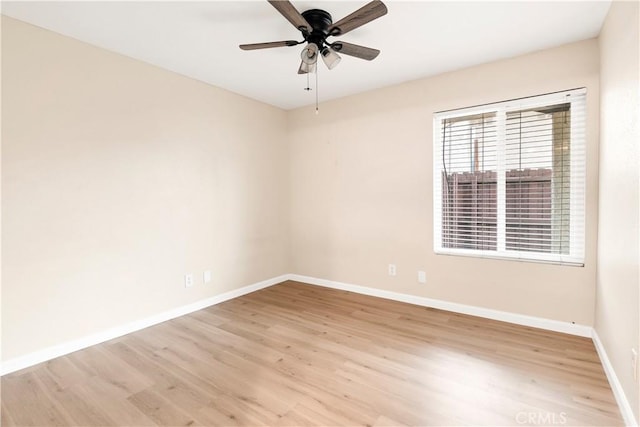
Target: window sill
(538, 258)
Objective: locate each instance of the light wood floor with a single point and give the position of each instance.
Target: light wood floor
(296, 354)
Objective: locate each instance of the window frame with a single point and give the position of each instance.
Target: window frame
(577, 191)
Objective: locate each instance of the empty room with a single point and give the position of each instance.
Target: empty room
(323, 213)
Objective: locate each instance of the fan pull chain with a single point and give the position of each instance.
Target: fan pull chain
(307, 88)
(317, 69)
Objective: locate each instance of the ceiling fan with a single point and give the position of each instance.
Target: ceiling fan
(316, 26)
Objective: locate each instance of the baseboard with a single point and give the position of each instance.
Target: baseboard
(616, 387)
(519, 319)
(49, 353)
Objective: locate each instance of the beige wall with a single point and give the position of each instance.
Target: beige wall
(0, 192)
(118, 178)
(361, 189)
(618, 277)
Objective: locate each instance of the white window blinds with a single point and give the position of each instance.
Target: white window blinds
(509, 179)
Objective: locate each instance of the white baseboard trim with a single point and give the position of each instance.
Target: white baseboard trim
(519, 319)
(49, 353)
(504, 316)
(616, 387)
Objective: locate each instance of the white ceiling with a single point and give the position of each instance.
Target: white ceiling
(417, 39)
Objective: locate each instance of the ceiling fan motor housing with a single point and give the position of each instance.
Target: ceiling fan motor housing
(320, 21)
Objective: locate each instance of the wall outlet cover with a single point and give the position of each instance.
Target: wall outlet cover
(422, 277)
(188, 280)
(392, 270)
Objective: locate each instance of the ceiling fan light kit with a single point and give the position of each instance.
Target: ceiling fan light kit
(330, 57)
(316, 26)
(309, 54)
(307, 68)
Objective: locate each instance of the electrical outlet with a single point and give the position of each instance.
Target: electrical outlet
(206, 277)
(422, 277)
(634, 363)
(188, 280)
(392, 269)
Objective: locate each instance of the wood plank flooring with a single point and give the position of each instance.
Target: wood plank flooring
(296, 354)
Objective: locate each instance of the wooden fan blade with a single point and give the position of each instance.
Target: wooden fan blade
(287, 10)
(268, 45)
(365, 14)
(355, 50)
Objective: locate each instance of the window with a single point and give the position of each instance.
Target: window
(509, 179)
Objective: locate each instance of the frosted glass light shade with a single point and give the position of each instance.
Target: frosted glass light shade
(330, 57)
(309, 54)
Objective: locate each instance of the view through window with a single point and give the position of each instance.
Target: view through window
(509, 179)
